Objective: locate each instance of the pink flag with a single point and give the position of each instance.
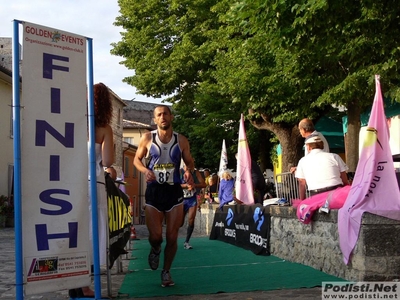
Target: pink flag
(374, 188)
(223, 163)
(244, 185)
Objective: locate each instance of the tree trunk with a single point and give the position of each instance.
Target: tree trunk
(352, 135)
(292, 147)
(264, 150)
(289, 137)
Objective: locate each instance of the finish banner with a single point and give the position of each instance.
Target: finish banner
(54, 160)
(246, 226)
(119, 220)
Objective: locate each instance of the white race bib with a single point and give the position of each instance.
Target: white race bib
(164, 173)
(187, 193)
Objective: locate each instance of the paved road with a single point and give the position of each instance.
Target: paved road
(7, 279)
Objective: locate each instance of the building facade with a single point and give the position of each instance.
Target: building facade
(135, 182)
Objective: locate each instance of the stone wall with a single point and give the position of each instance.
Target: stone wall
(375, 258)
(6, 53)
(204, 219)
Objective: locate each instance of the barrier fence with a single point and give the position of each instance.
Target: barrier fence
(287, 187)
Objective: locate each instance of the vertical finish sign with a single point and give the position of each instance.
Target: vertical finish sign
(54, 160)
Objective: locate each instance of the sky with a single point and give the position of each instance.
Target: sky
(89, 18)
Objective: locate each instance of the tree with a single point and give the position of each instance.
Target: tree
(175, 48)
(333, 48)
(279, 60)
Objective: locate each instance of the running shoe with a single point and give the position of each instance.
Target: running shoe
(187, 246)
(166, 279)
(154, 259)
(325, 207)
(283, 202)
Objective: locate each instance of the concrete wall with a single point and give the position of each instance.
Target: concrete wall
(375, 258)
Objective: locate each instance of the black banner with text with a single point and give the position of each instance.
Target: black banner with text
(119, 220)
(246, 226)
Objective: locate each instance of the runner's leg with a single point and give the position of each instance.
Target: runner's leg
(154, 219)
(174, 221)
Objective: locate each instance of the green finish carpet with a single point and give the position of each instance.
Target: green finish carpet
(212, 267)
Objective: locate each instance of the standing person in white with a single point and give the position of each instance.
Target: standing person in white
(104, 146)
(307, 130)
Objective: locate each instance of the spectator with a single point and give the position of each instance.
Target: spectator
(325, 175)
(104, 147)
(259, 184)
(206, 175)
(211, 190)
(226, 189)
(307, 129)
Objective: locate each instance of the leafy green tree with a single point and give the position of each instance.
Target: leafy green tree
(174, 48)
(326, 52)
(279, 61)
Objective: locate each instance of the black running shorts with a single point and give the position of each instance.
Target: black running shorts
(164, 196)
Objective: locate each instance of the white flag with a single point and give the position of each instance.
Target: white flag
(223, 163)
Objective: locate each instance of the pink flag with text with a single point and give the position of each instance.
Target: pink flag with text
(374, 188)
(244, 185)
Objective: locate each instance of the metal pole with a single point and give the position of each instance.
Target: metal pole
(19, 280)
(92, 164)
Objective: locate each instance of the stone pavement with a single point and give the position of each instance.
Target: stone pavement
(7, 278)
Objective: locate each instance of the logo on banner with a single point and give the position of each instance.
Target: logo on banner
(56, 37)
(43, 266)
(258, 240)
(258, 218)
(229, 217)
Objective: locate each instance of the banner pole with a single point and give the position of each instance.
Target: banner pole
(19, 280)
(92, 168)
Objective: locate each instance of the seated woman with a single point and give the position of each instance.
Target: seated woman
(325, 175)
(226, 189)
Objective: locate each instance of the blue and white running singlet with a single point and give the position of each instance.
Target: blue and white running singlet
(165, 159)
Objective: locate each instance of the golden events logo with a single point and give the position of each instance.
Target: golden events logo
(55, 35)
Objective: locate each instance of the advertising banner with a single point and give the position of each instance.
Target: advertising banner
(54, 160)
(246, 226)
(119, 220)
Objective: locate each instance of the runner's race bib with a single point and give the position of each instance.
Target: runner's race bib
(187, 193)
(164, 173)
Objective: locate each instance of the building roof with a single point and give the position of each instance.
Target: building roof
(116, 96)
(139, 111)
(139, 105)
(5, 70)
(127, 146)
(127, 124)
(5, 74)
